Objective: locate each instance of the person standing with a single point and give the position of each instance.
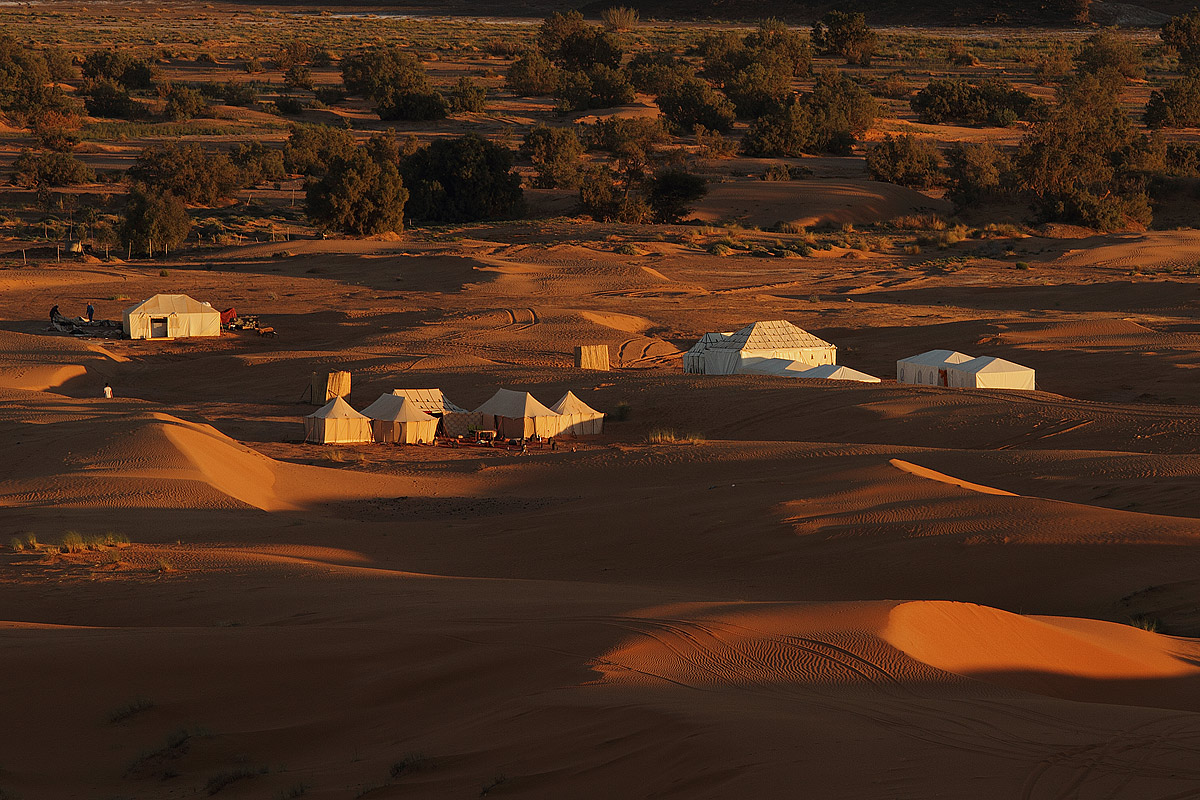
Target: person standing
(108, 392)
(91, 311)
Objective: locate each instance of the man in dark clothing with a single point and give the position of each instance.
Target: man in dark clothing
(54, 312)
(91, 312)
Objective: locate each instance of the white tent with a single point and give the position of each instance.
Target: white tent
(989, 372)
(772, 339)
(693, 359)
(171, 316)
(396, 420)
(336, 422)
(577, 418)
(518, 415)
(929, 368)
(798, 369)
(455, 420)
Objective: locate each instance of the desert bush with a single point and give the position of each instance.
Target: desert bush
(619, 135)
(258, 163)
(557, 28)
(153, 220)
(694, 102)
(293, 53)
(466, 96)
(503, 48)
(29, 78)
(957, 55)
(361, 193)
(1053, 64)
(107, 99)
(50, 169)
(55, 130)
(1107, 50)
(461, 180)
(601, 86)
(672, 436)
(298, 76)
(656, 72)
(555, 153)
(395, 82)
(1182, 33)
(310, 148)
(118, 67)
(329, 95)
(905, 160)
(713, 144)
(532, 75)
(619, 18)
(670, 193)
(608, 196)
(976, 172)
(187, 171)
(1177, 105)
(987, 102)
(846, 35)
(826, 121)
(893, 86)
(182, 102)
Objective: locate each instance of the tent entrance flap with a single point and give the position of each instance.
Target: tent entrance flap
(158, 328)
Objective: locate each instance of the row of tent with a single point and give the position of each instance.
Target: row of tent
(417, 416)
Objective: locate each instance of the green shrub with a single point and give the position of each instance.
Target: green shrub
(395, 81)
(906, 161)
(466, 96)
(846, 35)
(533, 75)
(694, 102)
(50, 169)
(461, 180)
(987, 102)
(555, 153)
(361, 193)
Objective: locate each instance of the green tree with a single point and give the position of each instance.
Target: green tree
(310, 148)
(395, 81)
(153, 220)
(693, 103)
(118, 67)
(671, 191)
(50, 169)
(298, 76)
(1183, 34)
(555, 153)
(905, 160)
(107, 99)
(1107, 50)
(461, 180)
(361, 194)
(976, 172)
(182, 102)
(188, 172)
(533, 75)
(466, 95)
(846, 35)
(1177, 105)
(28, 79)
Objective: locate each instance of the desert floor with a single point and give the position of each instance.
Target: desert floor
(838, 591)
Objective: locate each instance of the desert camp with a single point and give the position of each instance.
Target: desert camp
(724, 354)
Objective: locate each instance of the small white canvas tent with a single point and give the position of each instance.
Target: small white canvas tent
(771, 339)
(989, 372)
(577, 418)
(455, 420)
(798, 369)
(929, 368)
(693, 359)
(518, 415)
(171, 316)
(336, 423)
(395, 420)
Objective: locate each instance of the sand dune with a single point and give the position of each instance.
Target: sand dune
(811, 202)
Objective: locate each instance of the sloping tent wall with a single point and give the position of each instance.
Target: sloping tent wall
(396, 420)
(336, 423)
(989, 372)
(328, 385)
(518, 415)
(455, 420)
(770, 339)
(693, 359)
(171, 316)
(930, 368)
(577, 418)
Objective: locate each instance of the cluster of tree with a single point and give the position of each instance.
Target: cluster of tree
(110, 77)
(372, 189)
(578, 63)
(756, 71)
(36, 170)
(827, 120)
(845, 35)
(1178, 104)
(30, 79)
(395, 81)
(205, 177)
(990, 101)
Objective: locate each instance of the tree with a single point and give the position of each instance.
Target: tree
(760, 88)
(28, 79)
(619, 18)
(106, 99)
(990, 101)
(778, 40)
(905, 160)
(828, 120)
(257, 162)
(599, 87)
(55, 130)
(293, 53)
(670, 192)
(976, 171)
(1177, 105)
(461, 180)
(1107, 50)
(656, 72)
(182, 102)
(395, 81)
(115, 66)
(557, 28)
(50, 169)
(588, 48)
(784, 134)
(555, 153)
(532, 75)
(362, 194)
(846, 35)
(298, 76)
(467, 96)
(310, 148)
(153, 220)
(693, 103)
(609, 197)
(1183, 34)
(188, 172)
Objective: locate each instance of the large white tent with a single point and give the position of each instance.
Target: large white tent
(171, 316)
(455, 420)
(693, 359)
(396, 420)
(336, 423)
(518, 415)
(771, 339)
(929, 368)
(989, 372)
(577, 418)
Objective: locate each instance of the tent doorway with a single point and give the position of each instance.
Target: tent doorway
(158, 327)
(943, 378)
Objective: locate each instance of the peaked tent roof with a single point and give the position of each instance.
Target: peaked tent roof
(509, 403)
(775, 334)
(390, 408)
(431, 401)
(165, 304)
(991, 364)
(337, 408)
(937, 357)
(838, 373)
(570, 404)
